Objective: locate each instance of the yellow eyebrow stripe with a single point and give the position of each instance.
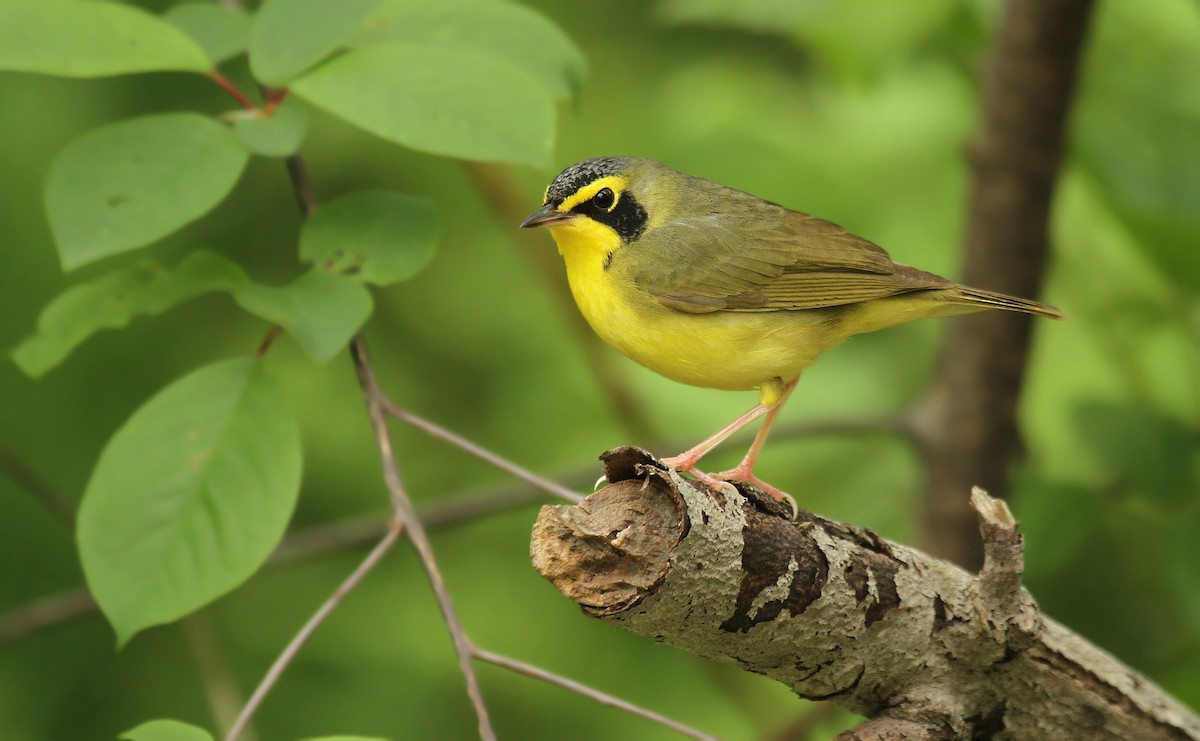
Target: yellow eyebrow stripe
(616, 183)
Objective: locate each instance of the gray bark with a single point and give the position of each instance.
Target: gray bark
(919, 646)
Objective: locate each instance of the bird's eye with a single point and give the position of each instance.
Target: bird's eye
(604, 199)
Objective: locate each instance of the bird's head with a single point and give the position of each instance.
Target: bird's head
(601, 199)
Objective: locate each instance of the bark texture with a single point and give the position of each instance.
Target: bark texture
(922, 648)
(970, 420)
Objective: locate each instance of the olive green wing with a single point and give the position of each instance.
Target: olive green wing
(786, 260)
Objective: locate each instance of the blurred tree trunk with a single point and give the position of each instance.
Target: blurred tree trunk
(969, 418)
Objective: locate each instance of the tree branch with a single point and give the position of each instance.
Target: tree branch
(603, 698)
(37, 487)
(216, 675)
(441, 433)
(293, 648)
(44, 613)
(837, 613)
(970, 414)
(377, 405)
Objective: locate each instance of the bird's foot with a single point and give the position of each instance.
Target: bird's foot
(723, 481)
(714, 482)
(744, 474)
(682, 463)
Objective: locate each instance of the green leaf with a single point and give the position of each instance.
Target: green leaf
(321, 311)
(375, 235)
(278, 135)
(289, 36)
(166, 730)
(510, 31)
(347, 738)
(441, 99)
(190, 496)
(124, 185)
(73, 38)
(112, 300)
(222, 32)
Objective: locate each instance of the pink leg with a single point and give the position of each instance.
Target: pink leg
(744, 471)
(746, 467)
(686, 461)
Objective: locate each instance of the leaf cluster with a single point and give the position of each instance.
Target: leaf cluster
(195, 490)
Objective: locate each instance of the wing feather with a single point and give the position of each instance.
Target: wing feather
(757, 256)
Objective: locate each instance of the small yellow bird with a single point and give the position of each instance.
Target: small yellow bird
(714, 287)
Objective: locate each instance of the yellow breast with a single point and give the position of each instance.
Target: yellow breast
(724, 350)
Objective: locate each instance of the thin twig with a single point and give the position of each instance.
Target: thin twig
(45, 612)
(33, 484)
(331, 538)
(899, 425)
(376, 402)
(224, 696)
(275, 98)
(406, 516)
(882, 424)
(306, 197)
(233, 90)
(310, 627)
(441, 433)
(529, 670)
(269, 339)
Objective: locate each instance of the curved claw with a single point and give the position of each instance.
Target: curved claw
(599, 481)
(777, 494)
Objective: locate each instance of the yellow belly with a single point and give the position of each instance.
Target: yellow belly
(723, 350)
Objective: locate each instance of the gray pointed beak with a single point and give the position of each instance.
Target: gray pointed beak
(544, 216)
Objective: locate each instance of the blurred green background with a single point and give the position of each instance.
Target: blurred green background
(858, 112)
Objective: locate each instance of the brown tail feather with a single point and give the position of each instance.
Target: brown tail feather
(990, 299)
